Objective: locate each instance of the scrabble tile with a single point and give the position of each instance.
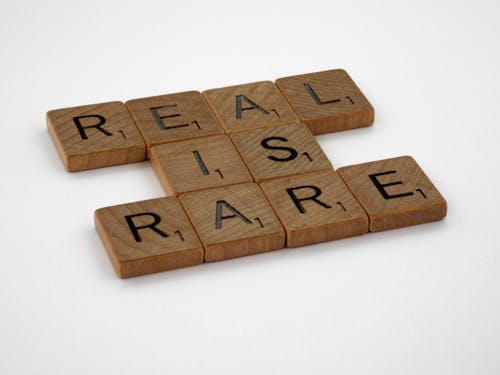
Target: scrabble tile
(173, 117)
(250, 106)
(327, 101)
(94, 136)
(394, 192)
(233, 221)
(280, 151)
(315, 207)
(198, 164)
(149, 236)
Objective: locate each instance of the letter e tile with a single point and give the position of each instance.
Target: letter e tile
(394, 192)
(173, 117)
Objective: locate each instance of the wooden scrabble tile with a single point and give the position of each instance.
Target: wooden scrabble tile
(315, 207)
(327, 101)
(250, 106)
(198, 164)
(149, 236)
(96, 135)
(394, 192)
(280, 151)
(173, 117)
(233, 221)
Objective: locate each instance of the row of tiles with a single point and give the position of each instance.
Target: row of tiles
(243, 219)
(106, 134)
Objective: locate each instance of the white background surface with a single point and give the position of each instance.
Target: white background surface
(419, 300)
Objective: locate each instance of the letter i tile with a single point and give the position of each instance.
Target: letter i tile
(198, 164)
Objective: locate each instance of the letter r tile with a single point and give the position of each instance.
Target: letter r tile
(394, 193)
(233, 221)
(173, 117)
(148, 236)
(250, 106)
(95, 136)
(315, 207)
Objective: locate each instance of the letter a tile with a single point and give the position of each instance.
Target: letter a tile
(148, 236)
(327, 101)
(394, 192)
(315, 207)
(96, 135)
(233, 221)
(250, 106)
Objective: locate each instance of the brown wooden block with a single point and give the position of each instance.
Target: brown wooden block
(327, 101)
(394, 192)
(233, 221)
(250, 106)
(149, 236)
(315, 207)
(280, 151)
(173, 117)
(96, 135)
(198, 164)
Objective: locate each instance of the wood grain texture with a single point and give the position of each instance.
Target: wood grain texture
(95, 136)
(394, 192)
(198, 164)
(327, 101)
(250, 106)
(173, 117)
(280, 151)
(315, 207)
(233, 221)
(166, 241)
